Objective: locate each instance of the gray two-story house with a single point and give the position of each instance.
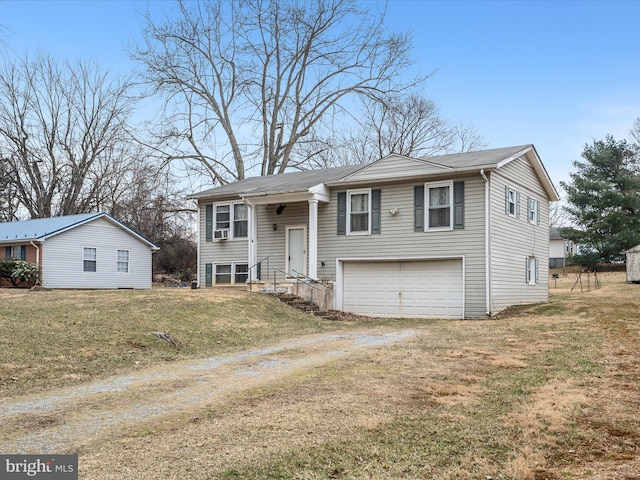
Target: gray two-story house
(451, 236)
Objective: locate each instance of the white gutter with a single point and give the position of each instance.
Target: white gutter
(37, 252)
(487, 250)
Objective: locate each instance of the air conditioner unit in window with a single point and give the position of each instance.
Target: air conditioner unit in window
(221, 234)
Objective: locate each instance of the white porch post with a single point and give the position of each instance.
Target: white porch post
(252, 242)
(313, 238)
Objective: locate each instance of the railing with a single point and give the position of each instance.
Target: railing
(298, 280)
(302, 278)
(259, 272)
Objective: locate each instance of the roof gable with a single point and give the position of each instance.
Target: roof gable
(397, 166)
(39, 229)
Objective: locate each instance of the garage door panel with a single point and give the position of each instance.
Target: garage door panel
(430, 288)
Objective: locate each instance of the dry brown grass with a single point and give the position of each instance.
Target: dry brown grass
(543, 392)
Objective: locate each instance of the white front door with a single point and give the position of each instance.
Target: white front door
(296, 250)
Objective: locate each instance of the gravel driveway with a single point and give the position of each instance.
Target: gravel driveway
(62, 420)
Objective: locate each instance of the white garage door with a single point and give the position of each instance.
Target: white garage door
(430, 288)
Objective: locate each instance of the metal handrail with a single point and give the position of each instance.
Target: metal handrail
(318, 282)
(255, 265)
(275, 283)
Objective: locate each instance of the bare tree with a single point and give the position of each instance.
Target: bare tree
(63, 138)
(408, 125)
(247, 82)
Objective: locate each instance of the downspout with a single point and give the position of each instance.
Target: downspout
(487, 250)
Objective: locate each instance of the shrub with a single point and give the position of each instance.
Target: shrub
(18, 272)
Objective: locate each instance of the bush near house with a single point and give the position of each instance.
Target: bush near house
(19, 272)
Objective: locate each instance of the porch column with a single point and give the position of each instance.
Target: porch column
(313, 238)
(252, 239)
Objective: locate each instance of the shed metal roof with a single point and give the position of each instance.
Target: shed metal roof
(38, 229)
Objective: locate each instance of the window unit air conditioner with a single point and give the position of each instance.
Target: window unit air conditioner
(221, 234)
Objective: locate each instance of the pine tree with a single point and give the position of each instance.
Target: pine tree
(604, 201)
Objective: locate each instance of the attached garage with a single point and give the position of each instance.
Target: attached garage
(405, 288)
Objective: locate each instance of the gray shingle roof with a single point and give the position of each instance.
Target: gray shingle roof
(301, 181)
(476, 159)
(272, 184)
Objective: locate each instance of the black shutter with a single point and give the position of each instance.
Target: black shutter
(209, 223)
(7, 252)
(418, 208)
(458, 204)
(376, 197)
(23, 252)
(342, 213)
(208, 276)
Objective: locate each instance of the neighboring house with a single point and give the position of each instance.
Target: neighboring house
(455, 236)
(560, 249)
(91, 251)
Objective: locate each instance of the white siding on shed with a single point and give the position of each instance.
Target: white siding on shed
(62, 258)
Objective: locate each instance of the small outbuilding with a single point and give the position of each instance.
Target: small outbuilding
(633, 264)
(92, 251)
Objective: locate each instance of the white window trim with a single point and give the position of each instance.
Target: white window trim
(532, 270)
(532, 215)
(90, 260)
(427, 206)
(214, 267)
(231, 205)
(128, 261)
(515, 201)
(359, 192)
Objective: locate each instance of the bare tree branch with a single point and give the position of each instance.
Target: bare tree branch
(254, 79)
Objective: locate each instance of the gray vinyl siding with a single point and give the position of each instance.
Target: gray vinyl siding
(63, 266)
(272, 243)
(230, 251)
(513, 239)
(397, 238)
(393, 166)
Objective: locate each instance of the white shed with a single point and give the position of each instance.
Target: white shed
(93, 251)
(633, 264)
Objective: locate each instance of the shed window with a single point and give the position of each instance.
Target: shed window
(90, 259)
(122, 265)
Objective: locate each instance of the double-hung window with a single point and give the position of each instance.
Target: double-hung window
(227, 220)
(240, 220)
(512, 202)
(438, 202)
(223, 273)
(533, 211)
(122, 261)
(223, 215)
(90, 259)
(17, 252)
(359, 211)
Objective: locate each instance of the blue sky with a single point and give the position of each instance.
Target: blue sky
(553, 73)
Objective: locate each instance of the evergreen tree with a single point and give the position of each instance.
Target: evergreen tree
(604, 201)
